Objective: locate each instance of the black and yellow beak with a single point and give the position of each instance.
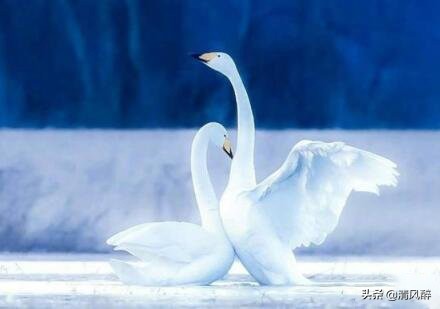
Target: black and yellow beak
(227, 148)
(205, 57)
(197, 57)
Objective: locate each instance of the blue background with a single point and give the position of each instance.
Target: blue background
(306, 64)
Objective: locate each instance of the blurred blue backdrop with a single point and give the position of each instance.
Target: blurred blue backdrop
(306, 63)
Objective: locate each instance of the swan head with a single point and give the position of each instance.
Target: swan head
(217, 61)
(219, 137)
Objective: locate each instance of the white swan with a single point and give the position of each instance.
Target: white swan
(179, 253)
(298, 204)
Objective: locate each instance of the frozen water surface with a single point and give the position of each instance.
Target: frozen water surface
(75, 280)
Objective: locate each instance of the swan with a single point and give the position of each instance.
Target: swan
(299, 204)
(180, 253)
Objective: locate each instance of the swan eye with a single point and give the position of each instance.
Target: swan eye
(218, 56)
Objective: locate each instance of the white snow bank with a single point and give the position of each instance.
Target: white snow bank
(70, 190)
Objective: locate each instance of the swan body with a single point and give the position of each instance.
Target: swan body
(180, 253)
(298, 204)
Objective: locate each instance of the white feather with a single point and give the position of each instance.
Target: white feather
(305, 197)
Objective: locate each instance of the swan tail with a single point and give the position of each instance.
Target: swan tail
(140, 273)
(120, 237)
(126, 272)
(147, 254)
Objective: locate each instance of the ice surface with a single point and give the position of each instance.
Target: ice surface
(86, 281)
(70, 190)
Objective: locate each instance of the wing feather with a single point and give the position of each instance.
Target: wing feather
(305, 197)
(177, 242)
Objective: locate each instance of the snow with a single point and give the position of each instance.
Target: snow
(68, 190)
(72, 281)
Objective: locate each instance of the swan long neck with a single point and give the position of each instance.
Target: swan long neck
(205, 195)
(242, 168)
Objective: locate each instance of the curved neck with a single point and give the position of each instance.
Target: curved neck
(242, 168)
(206, 198)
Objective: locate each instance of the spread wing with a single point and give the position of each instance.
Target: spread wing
(168, 242)
(305, 197)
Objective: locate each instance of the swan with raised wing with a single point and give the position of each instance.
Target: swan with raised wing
(299, 204)
(180, 253)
